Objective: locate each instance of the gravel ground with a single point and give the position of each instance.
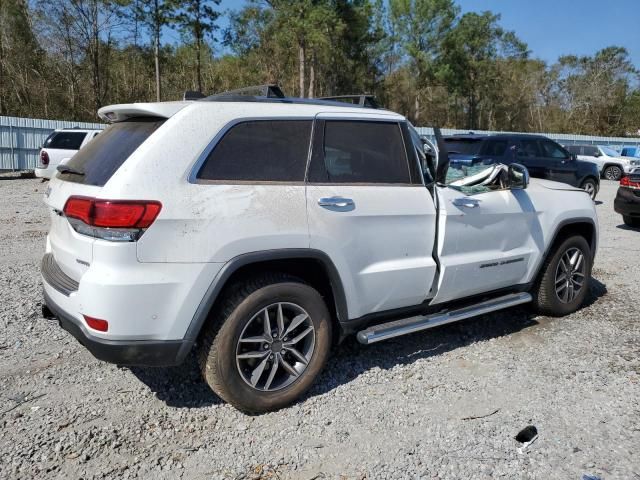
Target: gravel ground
(399, 409)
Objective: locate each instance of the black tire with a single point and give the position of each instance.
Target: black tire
(546, 300)
(631, 221)
(220, 342)
(590, 187)
(612, 172)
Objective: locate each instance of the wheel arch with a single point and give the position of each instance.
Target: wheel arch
(313, 266)
(612, 164)
(583, 226)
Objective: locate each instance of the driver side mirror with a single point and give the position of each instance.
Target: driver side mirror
(518, 176)
(597, 154)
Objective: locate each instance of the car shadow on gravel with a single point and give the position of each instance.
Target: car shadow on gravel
(623, 226)
(183, 386)
(180, 387)
(351, 359)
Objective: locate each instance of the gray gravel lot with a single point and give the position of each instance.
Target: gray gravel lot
(395, 410)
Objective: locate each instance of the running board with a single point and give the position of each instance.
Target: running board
(406, 326)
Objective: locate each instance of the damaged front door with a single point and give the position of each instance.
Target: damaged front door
(486, 241)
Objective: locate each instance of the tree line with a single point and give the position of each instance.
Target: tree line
(64, 59)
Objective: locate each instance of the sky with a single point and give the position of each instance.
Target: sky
(553, 28)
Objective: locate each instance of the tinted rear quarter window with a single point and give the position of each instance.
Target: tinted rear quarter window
(65, 140)
(363, 152)
(100, 159)
(260, 151)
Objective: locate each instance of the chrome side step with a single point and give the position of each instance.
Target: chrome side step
(406, 326)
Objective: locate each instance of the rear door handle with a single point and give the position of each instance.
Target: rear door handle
(339, 202)
(466, 202)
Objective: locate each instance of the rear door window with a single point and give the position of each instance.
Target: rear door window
(360, 152)
(591, 151)
(101, 157)
(495, 148)
(552, 150)
(65, 140)
(466, 146)
(576, 149)
(260, 151)
(528, 148)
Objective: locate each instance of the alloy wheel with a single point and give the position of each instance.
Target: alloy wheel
(570, 275)
(590, 188)
(275, 346)
(613, 173)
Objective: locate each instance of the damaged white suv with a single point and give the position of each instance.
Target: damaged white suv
(261, 230)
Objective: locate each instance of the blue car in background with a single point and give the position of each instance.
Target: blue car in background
(630, 152)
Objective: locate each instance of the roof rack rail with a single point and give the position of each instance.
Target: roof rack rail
(267, 91)
(362, 100)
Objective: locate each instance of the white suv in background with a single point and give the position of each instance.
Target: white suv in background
(263, 230)
(611, 164)
(60, 145)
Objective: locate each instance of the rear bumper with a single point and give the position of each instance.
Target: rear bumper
(150, 353)
(45, 172)
(627, 202)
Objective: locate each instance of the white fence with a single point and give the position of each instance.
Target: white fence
(21, 139)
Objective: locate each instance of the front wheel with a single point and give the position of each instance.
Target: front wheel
(613, 172)
(590, 187)
(564, 280)
(268, 342)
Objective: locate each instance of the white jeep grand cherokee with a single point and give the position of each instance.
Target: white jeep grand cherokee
(263, 230)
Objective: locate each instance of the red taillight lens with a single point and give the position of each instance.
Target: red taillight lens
(113, 214)
(112, 220)
(96, 323)
(627, 182)
(125, 214)
(44, 158)
(80, 208)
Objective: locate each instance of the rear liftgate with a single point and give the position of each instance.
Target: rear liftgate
(406, 326)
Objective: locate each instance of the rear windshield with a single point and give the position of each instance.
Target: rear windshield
(100, 159)
(65, 140)
(467, 146)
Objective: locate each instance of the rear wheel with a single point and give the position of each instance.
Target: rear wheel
(613, 172)
(631, 221)
(564, 280)
(590, 187)
(268, 342)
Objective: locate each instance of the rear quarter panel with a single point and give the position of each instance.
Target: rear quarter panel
(202, 222)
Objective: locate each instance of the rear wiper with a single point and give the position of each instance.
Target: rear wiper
(68, 169)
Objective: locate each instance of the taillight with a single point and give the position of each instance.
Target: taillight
(44, 158)
(627, 182)
(116, 220)
(96, 323)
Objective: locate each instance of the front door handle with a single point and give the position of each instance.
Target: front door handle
(466, 202)
(339, 202)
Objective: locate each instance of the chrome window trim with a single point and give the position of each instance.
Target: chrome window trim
(192, 177)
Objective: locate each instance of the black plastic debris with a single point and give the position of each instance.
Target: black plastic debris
(527, 434)
(526, 437)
